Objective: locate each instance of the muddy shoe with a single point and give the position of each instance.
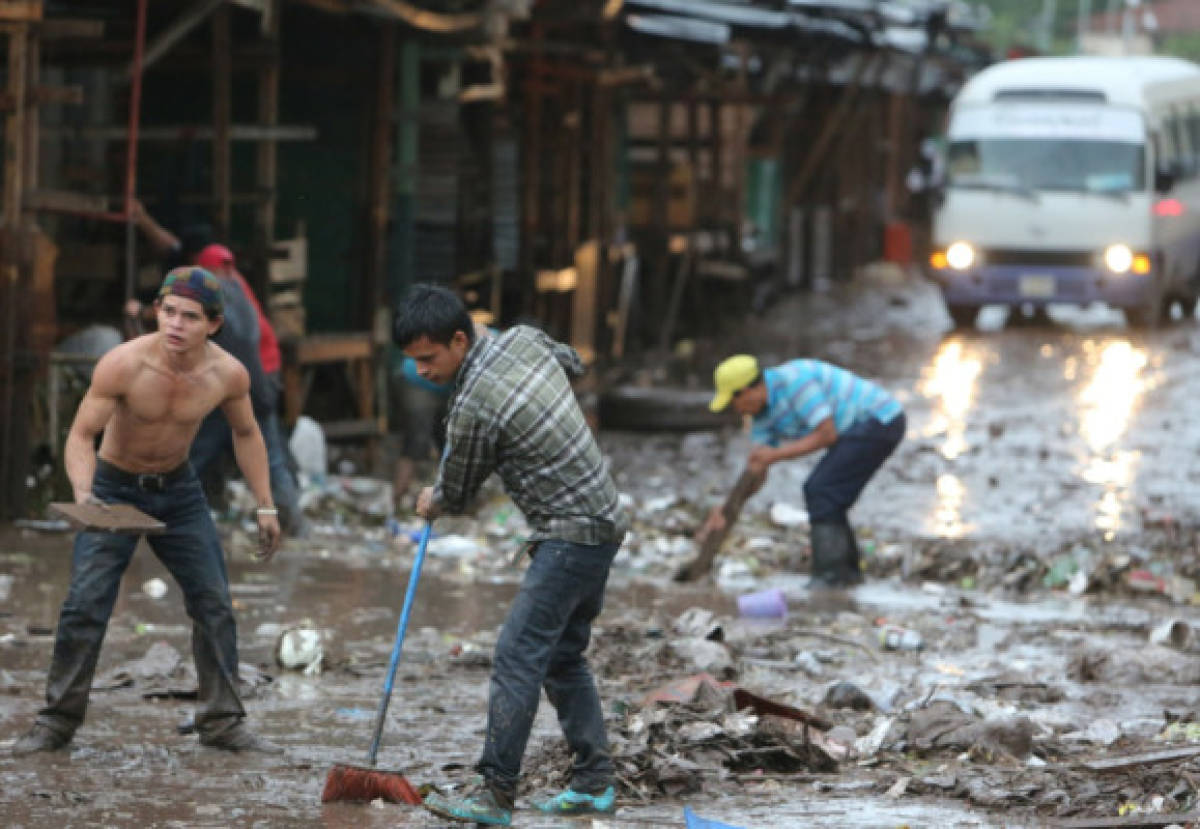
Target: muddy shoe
(477, 803)
(241, 738)
(572, 802)
(39, 738)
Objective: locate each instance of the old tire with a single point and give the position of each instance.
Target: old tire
(963, 316)
(672, 409)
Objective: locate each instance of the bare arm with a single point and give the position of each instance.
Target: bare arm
(93, 415)
(251, 454)
(819, 438)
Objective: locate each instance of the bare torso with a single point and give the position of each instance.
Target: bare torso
(159, 411)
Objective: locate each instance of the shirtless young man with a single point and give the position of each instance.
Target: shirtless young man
(148, 397)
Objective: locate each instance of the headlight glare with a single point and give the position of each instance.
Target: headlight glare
(1118, 258)
(960, 256)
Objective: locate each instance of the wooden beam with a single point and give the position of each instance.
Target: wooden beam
(189, 132)
(44, 95)
(267, 160)
(176, 31)
(63, 201)
(71, 28)
(222, 88)
(21, 11)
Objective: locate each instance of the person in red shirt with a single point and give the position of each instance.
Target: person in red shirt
(218, 260)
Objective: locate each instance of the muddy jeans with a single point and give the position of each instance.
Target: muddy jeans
(839, 478)
(542, 645)
(191, 551)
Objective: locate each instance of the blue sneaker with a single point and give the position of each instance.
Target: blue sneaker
(572, 802)
(477, 803)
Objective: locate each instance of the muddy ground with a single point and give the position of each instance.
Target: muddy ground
(1039, 522)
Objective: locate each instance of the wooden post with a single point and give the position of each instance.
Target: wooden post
(267, 161)
(30, 143)
(892, 174)
(715, 194)
(14, 124)
(710, 541)
(222, 80)
(574, 163)
(531, 166)
(381, 168)
(407, 111)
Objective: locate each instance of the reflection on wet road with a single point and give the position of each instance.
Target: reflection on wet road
(1107, 404)
(950, 382)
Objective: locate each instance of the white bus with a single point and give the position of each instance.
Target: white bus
(1072, 180)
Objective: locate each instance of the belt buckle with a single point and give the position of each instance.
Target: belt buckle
(152, 481)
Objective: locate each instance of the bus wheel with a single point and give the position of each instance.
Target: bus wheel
(1187, 307)
(963, 316)
(1147, 315)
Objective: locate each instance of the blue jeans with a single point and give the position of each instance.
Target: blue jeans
(191, 551)
(215, 439)
(841, 475)
(542, 645)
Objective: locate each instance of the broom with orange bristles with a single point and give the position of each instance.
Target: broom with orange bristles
(366, 783)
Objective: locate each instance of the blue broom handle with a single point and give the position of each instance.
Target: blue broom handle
(409, 595)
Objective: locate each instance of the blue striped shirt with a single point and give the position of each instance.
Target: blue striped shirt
(802, 393)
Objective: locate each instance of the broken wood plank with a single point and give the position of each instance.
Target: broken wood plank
(1129, 760)
(1180, 818)
(710, 542)
(110, 518)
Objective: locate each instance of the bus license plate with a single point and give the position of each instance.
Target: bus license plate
(1037, 286)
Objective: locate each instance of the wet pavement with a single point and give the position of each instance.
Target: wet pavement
(1039, 521)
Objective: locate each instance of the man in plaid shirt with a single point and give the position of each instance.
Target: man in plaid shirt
(513, 412)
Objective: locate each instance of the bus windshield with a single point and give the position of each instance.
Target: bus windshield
(1032, 164)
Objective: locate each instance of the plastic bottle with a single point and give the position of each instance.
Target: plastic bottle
(894, 638)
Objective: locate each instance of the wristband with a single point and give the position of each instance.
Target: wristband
(266, 511)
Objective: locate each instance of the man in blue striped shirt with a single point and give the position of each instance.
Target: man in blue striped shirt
(802, 407)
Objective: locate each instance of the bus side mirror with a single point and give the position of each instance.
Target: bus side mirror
(1164, 178)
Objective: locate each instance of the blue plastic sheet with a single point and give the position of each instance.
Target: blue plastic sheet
(694, 821)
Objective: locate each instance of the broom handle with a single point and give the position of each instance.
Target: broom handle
(413, 578)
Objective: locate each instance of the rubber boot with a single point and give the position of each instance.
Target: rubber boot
(854, 558)
(834, 556)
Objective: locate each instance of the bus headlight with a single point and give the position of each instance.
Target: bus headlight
(960, 256)
(1118, 258)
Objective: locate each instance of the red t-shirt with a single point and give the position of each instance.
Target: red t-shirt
(268, 343)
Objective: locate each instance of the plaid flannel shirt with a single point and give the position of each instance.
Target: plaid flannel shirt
(513, 412)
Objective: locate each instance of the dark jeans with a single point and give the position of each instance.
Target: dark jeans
(841, 475)
(215, 439)
(542, 645)
(191, 551)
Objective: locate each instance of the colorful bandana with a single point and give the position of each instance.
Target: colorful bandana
(194, 283)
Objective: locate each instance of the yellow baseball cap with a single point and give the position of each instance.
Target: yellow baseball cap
(732, 375)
